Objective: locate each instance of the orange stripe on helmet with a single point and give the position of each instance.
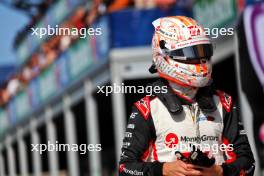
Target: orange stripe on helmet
(192, 21)
(158, 40)
(198, 68)
(185, 20)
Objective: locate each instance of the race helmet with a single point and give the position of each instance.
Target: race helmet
(181, 51)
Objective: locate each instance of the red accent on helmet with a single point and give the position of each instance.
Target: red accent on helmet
(162, 75)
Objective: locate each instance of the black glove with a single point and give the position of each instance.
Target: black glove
(197, 157)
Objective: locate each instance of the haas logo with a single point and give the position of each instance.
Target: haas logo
(171, 140)
(195, 30)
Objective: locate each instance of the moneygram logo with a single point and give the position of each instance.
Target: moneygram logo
(199, 138)
(185, 144)
(171, 140)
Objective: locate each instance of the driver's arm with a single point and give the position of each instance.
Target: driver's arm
(139, 136)
(241, 160)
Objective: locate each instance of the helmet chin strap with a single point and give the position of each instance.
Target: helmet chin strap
(185, 92)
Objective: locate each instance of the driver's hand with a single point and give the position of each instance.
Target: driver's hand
(179, 168)
(215, 170)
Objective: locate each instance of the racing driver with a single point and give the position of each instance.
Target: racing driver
(191, 112)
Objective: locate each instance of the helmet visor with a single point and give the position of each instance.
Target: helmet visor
(192, 52)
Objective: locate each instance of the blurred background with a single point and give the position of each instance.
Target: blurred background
(48, 85)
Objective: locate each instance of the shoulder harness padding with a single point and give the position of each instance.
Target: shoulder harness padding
(169, 99)
(143, 105)
(204, 98)
(173, 103)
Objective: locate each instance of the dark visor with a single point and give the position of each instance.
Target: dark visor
(192, 52)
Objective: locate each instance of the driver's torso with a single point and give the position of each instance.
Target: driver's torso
(191, 126)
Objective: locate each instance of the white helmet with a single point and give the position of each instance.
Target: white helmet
(181, 51)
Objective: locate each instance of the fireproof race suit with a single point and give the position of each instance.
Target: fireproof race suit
(158, 128)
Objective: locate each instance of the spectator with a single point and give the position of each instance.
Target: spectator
(93, 13)
(78, 18)
(65, 42)
(51, 56)
(31, 70)
(165, 4)
(48, 55)
(42, 60)
(13, 86)
(34, 66)
(1, 97)
(140, 4)
(4, 94)
(146, 4)
(100, 7)
(26, 75)
(118, 4)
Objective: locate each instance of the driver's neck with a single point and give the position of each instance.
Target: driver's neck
(188, 93)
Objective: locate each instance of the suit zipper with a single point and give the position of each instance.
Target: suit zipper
(195, 112)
